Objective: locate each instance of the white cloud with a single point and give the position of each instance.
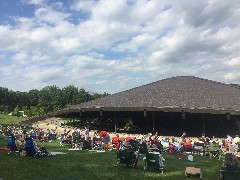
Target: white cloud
(233, 62)
(115, 45)
(20, 57)
(232, 76)
(34, 2)
(48, 15)
(86, 5)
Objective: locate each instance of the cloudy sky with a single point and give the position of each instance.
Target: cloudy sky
(114, 45)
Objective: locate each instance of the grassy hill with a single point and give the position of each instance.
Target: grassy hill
(6, 119)
(87, 165)
(90, 165)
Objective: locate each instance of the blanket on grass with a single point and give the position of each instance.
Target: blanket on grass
(56, 153)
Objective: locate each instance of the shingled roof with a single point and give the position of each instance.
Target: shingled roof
(182, 93)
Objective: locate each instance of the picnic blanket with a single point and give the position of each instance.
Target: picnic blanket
(56, 153)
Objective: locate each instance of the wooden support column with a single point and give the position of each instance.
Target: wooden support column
(88, 122)
(115, 121)
(203, 124)
(153, 121)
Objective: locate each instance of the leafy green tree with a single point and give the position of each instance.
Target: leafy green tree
(16, 111)
(33, 97)
(69, 96)
(50, 98)
(83, 96)
(33, 111)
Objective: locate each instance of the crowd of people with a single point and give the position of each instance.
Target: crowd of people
(24, 141)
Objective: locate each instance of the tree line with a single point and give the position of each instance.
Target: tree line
(39, 102)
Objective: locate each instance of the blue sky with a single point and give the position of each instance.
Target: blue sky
(111, 46)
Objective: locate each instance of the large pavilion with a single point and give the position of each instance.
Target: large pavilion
(170, 107)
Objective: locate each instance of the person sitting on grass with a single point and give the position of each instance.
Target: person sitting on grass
(29, 146)
(229, 164)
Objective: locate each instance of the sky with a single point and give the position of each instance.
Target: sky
(115, 45)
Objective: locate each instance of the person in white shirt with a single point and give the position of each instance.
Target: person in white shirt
(236, 140)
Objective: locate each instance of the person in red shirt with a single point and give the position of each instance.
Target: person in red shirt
(116, 142)
(103, 134)
(106, 139)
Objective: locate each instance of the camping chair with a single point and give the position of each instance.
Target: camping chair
(127, 157)
(143, 148)
(53, 137)
(44, 139)
(187, 147)
(97, 143)
(199, 147)
(172, 149)
(75, 142)
(226, 145)
(232, 149)
(165, 145)
(43, 152)
(116, 142)
(12, 145)
(86, 144)
(134, 147)
(66, 141)
(238, 145)
(154, 160)
(230, 175)
(214, 151)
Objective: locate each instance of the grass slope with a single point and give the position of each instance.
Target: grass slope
(6, 119)
(91, 165)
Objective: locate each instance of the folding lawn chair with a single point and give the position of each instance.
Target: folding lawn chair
(53, 137)
(172, 149)
(232, 149)
(143, 148)
(97, 143)
(199, 147)
(214, 151)
(165, 145)
(12, 145)
(134, 147)
(154, 160)
(43, 152)
(230, 175)
(238, 145)
(76, 142)
(66, 141)
(127, 157)
(116, 142)
(226, 145)
(86, 144)
(187, 147)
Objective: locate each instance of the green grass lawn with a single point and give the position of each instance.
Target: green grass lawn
(93, 165)
(6, 119)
